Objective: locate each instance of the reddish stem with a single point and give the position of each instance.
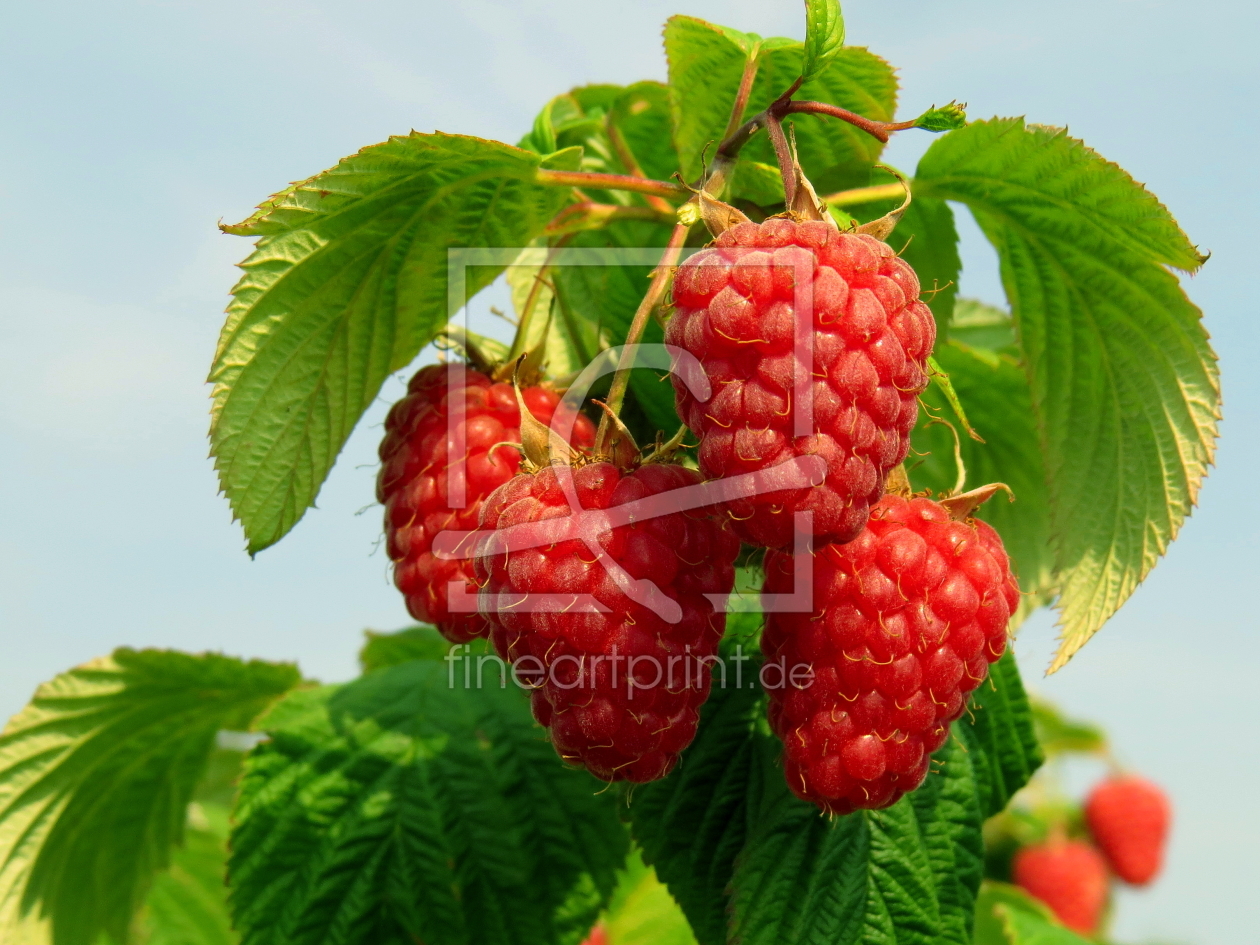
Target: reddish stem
(639, 185)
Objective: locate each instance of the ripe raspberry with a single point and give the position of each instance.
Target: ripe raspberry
(619, 689)
(734, 310)
(1068, 876)
(1129, 817)
(414, 478)
(907, 618)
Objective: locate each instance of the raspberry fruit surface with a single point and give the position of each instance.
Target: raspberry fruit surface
(413, 484)
(735, 311)
(1129, 819)
(1068, 876)
(619, 687)
(906, 619)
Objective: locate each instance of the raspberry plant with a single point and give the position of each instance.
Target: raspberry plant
(422, 802)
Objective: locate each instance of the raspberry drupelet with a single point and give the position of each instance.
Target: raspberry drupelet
(735, 309)
(906, 619)
(413, 484)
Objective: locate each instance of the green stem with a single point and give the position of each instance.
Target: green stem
(860, 195)
(531, 301)
(655, 293)
(640, 185)
(589, 215)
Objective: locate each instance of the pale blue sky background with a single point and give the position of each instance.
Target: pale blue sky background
(130, 128)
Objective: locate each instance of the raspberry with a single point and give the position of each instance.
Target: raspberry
(1068, 876)
(414, 478)
(871, 340)
(1129, 817)
(907, 618)
(620, 688)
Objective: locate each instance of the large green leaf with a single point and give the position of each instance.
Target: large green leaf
(1000, 722)
(96, 774)
(1123, 382)
(403, 807)
(706, 63)
(346, 284)
(749, 862)
(382, 650)
(983, 364)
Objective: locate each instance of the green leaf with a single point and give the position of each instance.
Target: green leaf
(706, 63)
(641, 114)
(984, 369)
(749, 862)
(346, 284)
(1058, 734)
(403, 807)
(1123, 382)
(1006, 915)
(758, 183)
(382, 650)
(188, 902)
(946, 118)
(927, 239)
(95, 776)
(824, 35)
(1000, 721)
(642, 912)
(600, 300)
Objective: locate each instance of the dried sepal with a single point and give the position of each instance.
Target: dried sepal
(961, 507)
(882, 228)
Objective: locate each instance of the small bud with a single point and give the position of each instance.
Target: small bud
(946, 118)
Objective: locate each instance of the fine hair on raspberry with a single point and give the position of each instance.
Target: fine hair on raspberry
(620, 650)
(906, 619)
(735, 310)
(416, 469)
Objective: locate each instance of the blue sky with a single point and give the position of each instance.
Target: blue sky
(131, 128)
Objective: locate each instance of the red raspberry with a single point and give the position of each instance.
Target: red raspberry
(414, 478)
(620, 689)
(734, 310)
(1068, 876)
(906, 619)
(1129, 818)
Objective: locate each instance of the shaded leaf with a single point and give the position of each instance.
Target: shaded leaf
(1001, 724)
(404, 807)
(382, 650)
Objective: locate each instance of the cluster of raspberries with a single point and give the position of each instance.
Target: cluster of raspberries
(605, 586)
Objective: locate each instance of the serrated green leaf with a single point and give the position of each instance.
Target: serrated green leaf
(758, 183)
(705, 68)
(642, 912)
(346, 285)
(983, 365)
(749, 862)
(1001, 723)
(641, 114)
(95, 776)
(824, 35)
(403, 807)
(382, 650)
(1124, 383)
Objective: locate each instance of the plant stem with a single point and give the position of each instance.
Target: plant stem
(876, 129)
(589, 215)
(628, 161)
(745, 90)
(639, 185)
(655, 292)
(860, 195)
(520, 339)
